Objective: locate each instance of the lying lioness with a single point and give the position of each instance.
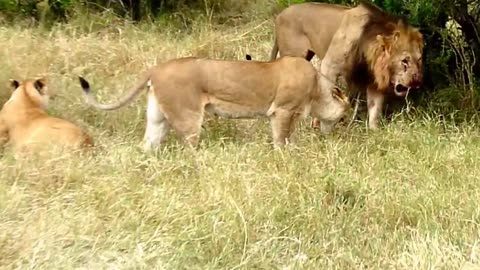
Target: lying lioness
(183, 89)
(26, 126)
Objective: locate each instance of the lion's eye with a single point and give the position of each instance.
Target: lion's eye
(405, 61)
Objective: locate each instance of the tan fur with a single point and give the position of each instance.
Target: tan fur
(26, 126)
(363, 46)
(181, 90)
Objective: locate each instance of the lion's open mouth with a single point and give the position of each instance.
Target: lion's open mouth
(401, 90)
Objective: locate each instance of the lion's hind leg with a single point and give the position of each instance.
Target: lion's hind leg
(297, 44)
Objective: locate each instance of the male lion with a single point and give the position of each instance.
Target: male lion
(363, 46)
(181, 90)
(27, 127)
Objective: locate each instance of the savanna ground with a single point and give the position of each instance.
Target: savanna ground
(403, 197)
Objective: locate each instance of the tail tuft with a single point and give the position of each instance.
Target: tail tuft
(248, 57)
(85, 85)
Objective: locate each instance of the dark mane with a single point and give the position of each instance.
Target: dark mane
(379, 22)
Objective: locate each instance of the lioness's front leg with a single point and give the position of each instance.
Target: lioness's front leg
(188, 125)
(283, 126)
(315, 123)
(375, 104)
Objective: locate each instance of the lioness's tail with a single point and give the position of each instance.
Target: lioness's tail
(129, 97)
(274, 53)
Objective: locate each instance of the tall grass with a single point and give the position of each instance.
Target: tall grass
(403, 197)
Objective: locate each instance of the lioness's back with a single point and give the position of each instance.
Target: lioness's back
(297, 65)
(267, 73)
(246, 71)
(60, 131)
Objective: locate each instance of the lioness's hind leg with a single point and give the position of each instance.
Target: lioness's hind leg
(157, 126)
(191, 134)
(155, 134)
(188, 126)
(283, 126)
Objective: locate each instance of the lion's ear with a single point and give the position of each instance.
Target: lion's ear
(385, 43)
(382, 42)
(14, 84)
(396, 36)
(381, 39)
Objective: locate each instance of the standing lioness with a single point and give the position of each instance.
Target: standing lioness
(27, 127)
(183, 89)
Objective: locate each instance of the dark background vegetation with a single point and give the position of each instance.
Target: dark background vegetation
(451, 29)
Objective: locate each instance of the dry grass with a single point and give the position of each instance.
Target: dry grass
(405, 197)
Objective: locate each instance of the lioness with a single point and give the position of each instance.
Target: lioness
(183, 89)
(27, 127)
(363, 46)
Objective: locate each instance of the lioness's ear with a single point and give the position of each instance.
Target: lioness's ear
(308, 55)
(338, 94)
(14, 84)
(40, 84)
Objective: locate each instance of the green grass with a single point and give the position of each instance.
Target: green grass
(403, 197)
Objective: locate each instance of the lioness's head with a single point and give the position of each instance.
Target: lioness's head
(36, 90)
(397, 59)
(330, 109)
